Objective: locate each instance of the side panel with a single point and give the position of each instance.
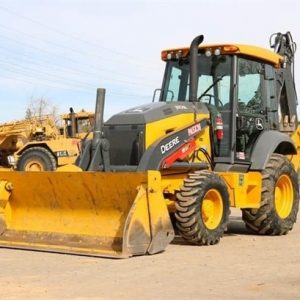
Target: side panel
(244, 189)
(161, 128)
(163, 147)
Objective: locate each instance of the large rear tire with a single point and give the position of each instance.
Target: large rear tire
(202, 208)
(279, 199)
(36, 159)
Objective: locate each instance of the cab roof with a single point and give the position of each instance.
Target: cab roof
(254, 52)
(79, 115)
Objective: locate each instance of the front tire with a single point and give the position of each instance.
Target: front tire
(36, 159)
(279, 199)
(202, 208)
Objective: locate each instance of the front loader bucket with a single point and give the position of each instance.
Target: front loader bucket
(93, 213)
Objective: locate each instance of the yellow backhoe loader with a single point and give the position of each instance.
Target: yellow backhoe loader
(223, 134)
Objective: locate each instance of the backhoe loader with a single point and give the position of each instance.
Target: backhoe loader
(223, 134)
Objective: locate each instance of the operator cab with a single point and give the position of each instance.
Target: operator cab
(82, 125)
(237, 84)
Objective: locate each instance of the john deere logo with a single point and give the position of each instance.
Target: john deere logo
(168, 146)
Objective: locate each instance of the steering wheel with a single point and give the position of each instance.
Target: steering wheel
(210, 97)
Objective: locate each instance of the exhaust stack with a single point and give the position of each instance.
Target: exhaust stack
(72, 132)
(99, 111)
(194, 67)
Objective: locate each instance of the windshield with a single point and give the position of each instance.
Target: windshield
(213, 81)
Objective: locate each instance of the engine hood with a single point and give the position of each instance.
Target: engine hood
(152, 112)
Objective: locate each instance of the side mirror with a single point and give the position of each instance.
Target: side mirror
(156, 94)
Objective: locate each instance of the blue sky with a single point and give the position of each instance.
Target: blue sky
(63, 50)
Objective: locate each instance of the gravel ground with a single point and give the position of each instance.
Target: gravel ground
(241, 266)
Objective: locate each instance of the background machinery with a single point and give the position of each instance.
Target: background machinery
(224, 134)
(38, 144)
(14, 135)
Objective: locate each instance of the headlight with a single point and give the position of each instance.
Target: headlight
(11, 160)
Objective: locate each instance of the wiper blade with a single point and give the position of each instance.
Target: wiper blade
(212, 85)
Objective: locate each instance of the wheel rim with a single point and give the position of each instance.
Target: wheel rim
(284, 196)
(212, 209)
(34, 166)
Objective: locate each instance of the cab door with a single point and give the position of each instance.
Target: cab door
(251, 107)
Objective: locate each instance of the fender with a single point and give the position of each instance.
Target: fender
(270, 142)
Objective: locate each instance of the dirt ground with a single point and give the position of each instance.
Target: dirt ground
(241, 266)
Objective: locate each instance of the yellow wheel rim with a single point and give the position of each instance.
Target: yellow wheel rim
(212, 209)
(284, 196)
(34, 166)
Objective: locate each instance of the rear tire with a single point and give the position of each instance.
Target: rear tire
(279, 199)
(202, 208)
(36, 159)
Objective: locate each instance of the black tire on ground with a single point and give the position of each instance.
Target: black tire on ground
(202, 208)
(36, 159)
(279, 199)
